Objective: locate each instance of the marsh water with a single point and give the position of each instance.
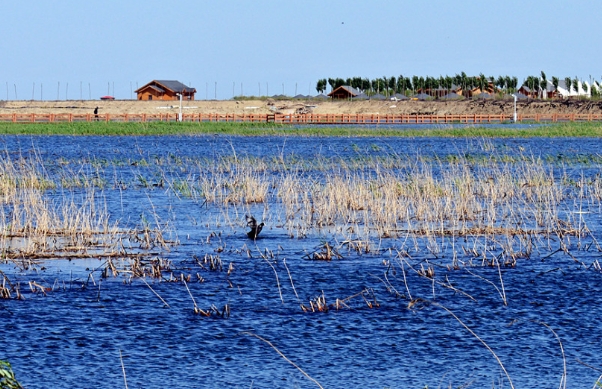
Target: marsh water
(386, 326)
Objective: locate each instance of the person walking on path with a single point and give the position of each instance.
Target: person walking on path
(96, 113)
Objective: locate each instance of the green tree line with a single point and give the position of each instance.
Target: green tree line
(389, 86)
(404, 85)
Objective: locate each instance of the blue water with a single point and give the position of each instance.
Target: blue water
(72, 336)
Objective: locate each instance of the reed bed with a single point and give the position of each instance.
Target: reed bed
(243, 182)
(482, 204)
(484, 209)
(40, 219)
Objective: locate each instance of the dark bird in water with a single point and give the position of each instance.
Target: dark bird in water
(255, 228)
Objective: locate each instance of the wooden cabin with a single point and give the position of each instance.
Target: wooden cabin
(343, 92)
(165, 90)
(532, 93)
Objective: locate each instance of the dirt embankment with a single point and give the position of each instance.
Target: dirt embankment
(320, 107)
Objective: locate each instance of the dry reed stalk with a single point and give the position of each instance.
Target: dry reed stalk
(371, 304)
(223, 313)
(4, 290)
(317, 304)
(501, 292)
(283, 356)
(264, 257)
(425, 273)
(112, 267)
(564, 374)
(403, 271)
(196, 308)
(390, 288)
(125, 381)
(290, 278)
(479, 339)
(325, 253)
(37, 288)
(156, 294)
(214, 262)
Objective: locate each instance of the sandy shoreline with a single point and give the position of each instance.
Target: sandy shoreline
(315, 106)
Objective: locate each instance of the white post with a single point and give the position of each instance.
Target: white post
(180, 114)
(514, 107)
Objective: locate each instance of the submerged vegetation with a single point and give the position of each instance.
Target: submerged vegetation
(569, 129)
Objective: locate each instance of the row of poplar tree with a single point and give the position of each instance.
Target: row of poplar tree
(410, 85)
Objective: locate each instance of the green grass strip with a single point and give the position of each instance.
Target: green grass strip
(590, 129)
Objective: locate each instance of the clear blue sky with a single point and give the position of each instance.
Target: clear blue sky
(99, 47)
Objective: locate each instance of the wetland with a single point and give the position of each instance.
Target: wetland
(383, 262)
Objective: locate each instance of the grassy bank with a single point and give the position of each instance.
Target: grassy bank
(260, 129)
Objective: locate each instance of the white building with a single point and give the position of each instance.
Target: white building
(564, 92)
